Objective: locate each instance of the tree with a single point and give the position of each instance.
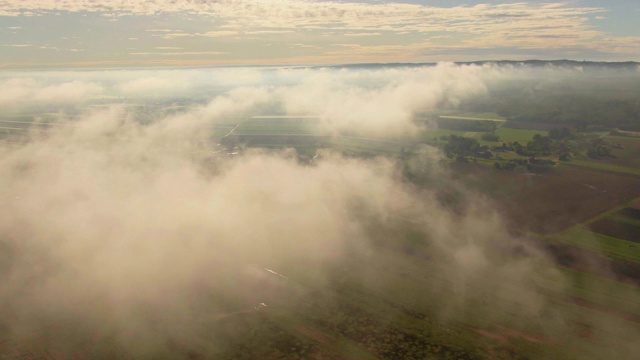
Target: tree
(541, 145)
(461, 147)
(559, 133)
(518, 148)
(490, 137)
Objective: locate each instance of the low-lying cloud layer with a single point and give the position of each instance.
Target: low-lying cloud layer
(134, 229)
(128, 228)
(377, 102)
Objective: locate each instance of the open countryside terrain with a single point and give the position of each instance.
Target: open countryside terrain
(564, 203)
(320, 179)
(558, 277)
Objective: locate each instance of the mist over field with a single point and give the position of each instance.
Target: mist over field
(122, 219)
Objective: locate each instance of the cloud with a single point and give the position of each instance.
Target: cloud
(267, 32)
(408, 31)
(27, 91)
(218, 33)
(138, 233)
(362, 34)
(123, 217)
(388, 109)
(293, 14)
(126, 228)
(181, 53)
(154, 85)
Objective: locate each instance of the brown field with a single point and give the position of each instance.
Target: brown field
(550, 202)
(616, 229)
(627, 157)
(630, 212)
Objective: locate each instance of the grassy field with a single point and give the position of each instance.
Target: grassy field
(279, 126)
(504, 133)
(520, 135)
(613, 247)
(306, 135)
(603, 291)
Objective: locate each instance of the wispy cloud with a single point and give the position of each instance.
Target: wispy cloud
(183, 53)
(363, 34)
(377, 27)
(297, 14)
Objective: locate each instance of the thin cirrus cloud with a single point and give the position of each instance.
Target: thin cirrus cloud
(411, 32)
(178, 53)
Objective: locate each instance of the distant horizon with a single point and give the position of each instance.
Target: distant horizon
(355, 64)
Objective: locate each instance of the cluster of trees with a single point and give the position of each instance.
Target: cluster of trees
(559, 133)
(531, 165)
(461, 147)
(556, 143)
(490, 137)
(560, 143)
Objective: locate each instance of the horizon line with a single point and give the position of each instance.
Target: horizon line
(119, 65)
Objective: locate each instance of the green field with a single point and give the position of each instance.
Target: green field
(522, 136)
(279, 126)
(612, 247)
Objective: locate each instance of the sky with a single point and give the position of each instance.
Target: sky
(101, 33)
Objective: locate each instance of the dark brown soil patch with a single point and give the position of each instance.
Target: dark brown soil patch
(593, 262)
(616, 229)
(630, 212)
(551, 202)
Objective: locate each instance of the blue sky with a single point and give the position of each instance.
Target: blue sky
(72, 33)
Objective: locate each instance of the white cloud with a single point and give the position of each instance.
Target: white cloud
(362, 34)
(217, 33)
(384, 109)
(267, 32)
(151, 86)
(175, 35)
(522, 25)
(182, 53)
(27, 91)
(288, 15)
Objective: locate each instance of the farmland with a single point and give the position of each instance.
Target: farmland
(473, 232)
(571, 206)
(520, 135)
(383, 317)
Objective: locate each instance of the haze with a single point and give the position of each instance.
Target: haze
(336, 196)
